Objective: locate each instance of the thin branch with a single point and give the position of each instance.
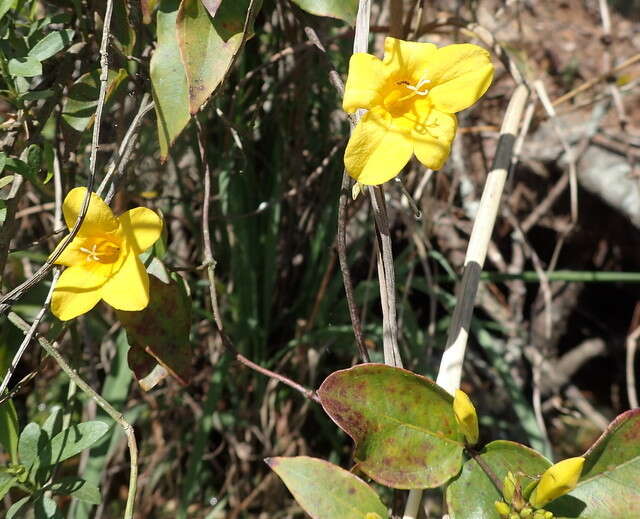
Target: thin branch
(11, 297)
(598, 79)
(210, 262)
(632, 346)
(386, 278)
(122, 155)
(29, 335)
(106, 406)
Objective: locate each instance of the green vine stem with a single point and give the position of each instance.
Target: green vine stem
(106, 406)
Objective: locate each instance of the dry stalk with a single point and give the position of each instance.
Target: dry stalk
(450, 371)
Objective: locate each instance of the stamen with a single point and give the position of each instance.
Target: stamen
(415, 90)
(92, 254)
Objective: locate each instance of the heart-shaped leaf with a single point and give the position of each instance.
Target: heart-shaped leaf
(609, 487)
(209, 46)
(326, 491)
(472, 494)
(403, 424)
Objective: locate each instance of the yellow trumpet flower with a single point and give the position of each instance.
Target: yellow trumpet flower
(412, 96)
(102, 260)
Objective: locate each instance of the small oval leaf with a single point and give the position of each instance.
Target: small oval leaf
(326, 491)
(403, 424)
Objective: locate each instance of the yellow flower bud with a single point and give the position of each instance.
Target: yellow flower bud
(372, 515)
(466, 416)
(502, 508)
(557, 481)
(509, 487)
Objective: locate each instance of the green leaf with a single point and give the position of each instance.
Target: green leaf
(9, 429)
(17, 166)
(71, 441)
(7, 481)
(78, 110)
(403, 424)
(53, 423)
(46, 508)
(121, 29)
(610, 483)
(168, 79)
(29, 444)
(17, 507)
(5, 5)
(78, 488)
(472, 494)
(34, 95)
(160, 332)
(326, 491)
(24, 67)
(342, 9)
(51, 44)
(209, 46)
(5, 181)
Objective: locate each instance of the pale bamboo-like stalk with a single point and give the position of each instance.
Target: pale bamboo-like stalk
(450, 370)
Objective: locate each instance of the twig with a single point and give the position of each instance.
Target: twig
(598, 79)
(13, 295)
(569, 152)
(632, 346)
(210, 262)
(123, 153)
(29, 335)
(359, 45)
(386, 278)
(106, 406)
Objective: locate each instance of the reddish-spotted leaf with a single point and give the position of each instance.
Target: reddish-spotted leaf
(403, 424)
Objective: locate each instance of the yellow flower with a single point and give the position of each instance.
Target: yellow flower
(556, 481)
(102, 260)
(411, 96)
(466, 416)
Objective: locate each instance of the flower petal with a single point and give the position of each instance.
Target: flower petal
(433, 138)
(377, 150)
(99, 218)
(460, 75)
(77, 292)
(365, 82)
(142, 227)
(409, 59)
(128, 289)
(71, 255)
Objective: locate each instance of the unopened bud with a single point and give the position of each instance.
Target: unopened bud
(526, 513)
(509, 487)
(557, 481)
(466, 416)
(502, 508)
